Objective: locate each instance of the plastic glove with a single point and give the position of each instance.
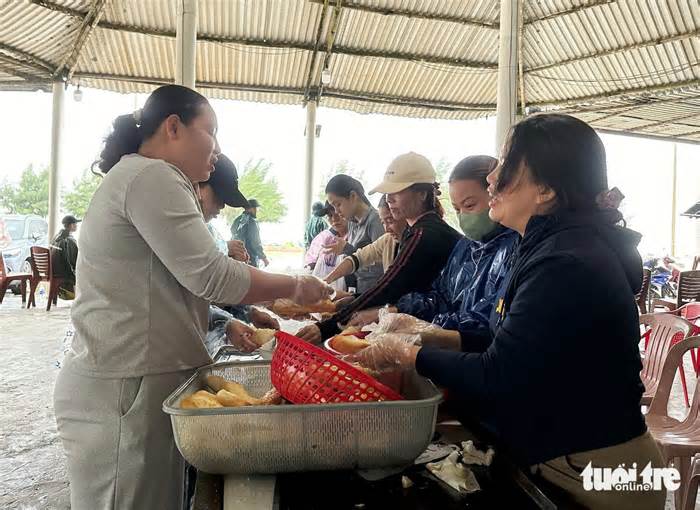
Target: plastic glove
(388, 352)
(402, 323)
(364, 317)
(262, 319)
(237, 251)
(240, 335)
(311, 333)
(309, 290)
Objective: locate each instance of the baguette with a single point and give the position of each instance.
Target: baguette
(228, 399)
(218, 383)
(348, 344)
(262, 336)
(200, 400)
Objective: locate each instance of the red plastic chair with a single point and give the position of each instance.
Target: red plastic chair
(43, 272)
(665, 330)
(691, 313)
(6, 278)
(678, 440)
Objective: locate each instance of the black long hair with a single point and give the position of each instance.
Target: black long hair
(562, 153)
(131, 130)
(343, 185)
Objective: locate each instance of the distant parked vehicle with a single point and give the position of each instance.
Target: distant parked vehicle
(23, 231)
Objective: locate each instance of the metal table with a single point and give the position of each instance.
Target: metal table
(503, 486)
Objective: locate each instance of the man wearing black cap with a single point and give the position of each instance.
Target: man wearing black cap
(245, 228)
(65, 255)
(227, 324)
(222, 189)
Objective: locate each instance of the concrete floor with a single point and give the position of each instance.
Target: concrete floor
(32, 465)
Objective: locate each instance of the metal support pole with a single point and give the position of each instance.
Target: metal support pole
(54, 170)
(186, 43)
(309, 173)
(507, 98)
(674, 199)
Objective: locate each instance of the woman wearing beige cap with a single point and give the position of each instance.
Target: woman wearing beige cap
(412, 193)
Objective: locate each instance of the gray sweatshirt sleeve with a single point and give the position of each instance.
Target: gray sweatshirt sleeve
(171, 223)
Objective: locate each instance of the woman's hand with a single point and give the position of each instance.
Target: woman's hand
(262, 319)
(237, 251)
(336, 247)
(364, 317)
(309, 290)
(388, 352)
(390, 322)
(240, 335)
(310, 333)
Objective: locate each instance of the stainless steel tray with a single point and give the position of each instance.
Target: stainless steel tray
(228, 353)
(285, 438)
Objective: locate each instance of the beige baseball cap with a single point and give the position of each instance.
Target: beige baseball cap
(406, 170)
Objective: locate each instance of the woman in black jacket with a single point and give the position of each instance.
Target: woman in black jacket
(559, 385)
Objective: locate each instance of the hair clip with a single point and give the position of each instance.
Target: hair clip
(610, 199)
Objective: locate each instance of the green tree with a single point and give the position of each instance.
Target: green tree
(30, 195)
(255, 182)
(341, 167)
(77, 200)
(443, 169)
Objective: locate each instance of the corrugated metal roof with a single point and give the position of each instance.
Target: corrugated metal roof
(619, 64)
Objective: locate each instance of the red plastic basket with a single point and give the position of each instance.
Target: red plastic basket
(305, 374)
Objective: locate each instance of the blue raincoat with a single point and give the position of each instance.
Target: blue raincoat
(462, 297)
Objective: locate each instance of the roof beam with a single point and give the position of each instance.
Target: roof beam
(156, 81)
(90, 20)
(618, 94)
(266, 43)
(619, 49)
(571, 10)
(407, 13)
(299, 91)
(648, 136)
(675, 120)
(25, 86)
(314, 56)
(411, 102)
(695, 132)
(637, 102)
(28, 58)
(330, 41)
(13, 63)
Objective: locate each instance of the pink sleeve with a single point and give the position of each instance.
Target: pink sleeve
(316, 245)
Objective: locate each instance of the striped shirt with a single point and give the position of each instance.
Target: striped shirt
(423, 252)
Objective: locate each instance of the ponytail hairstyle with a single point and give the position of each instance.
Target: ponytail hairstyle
(131, 130)
(432, 194)
(342, 185)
